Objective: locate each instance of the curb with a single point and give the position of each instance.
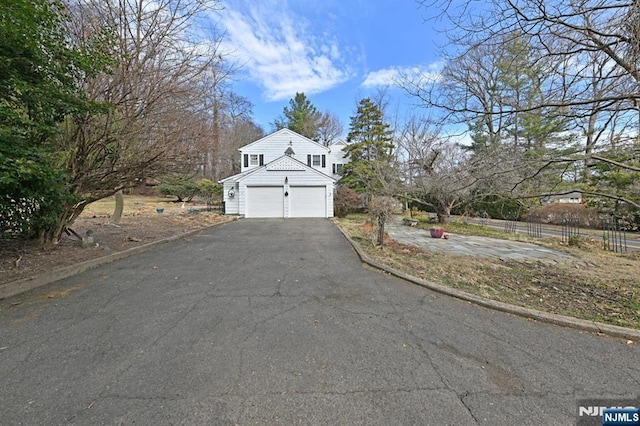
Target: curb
(546, 317)
(14, 288)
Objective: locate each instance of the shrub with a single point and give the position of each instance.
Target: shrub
(574, 240)
(346, 201)
(180, 186)
(208, 188)
(494, 206)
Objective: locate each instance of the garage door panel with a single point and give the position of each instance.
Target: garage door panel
(308, 201)
(265, 201)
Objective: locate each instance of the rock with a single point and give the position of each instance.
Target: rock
(88, 240)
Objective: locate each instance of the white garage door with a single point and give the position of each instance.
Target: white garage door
(265, 201)
(308, 201)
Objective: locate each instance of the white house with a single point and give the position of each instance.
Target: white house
(284, 175)
(337, 158)
(569, 198)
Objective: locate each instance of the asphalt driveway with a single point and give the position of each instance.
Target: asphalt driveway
(277, 322)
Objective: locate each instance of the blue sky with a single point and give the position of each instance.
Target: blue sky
(335, 51)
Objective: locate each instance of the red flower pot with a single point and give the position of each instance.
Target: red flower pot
(436, 232)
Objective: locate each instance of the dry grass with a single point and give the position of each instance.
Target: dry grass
(140, 224)
(601, 286)
(133, 205)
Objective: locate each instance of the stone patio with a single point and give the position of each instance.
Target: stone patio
(466, 245)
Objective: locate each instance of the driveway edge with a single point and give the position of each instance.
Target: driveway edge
(546, 317)
(22, 285)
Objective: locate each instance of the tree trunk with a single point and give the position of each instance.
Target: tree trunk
(380, 234)
(64, 219)
(443, 212)
(117, 212)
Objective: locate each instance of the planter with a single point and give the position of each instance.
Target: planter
(436, 232)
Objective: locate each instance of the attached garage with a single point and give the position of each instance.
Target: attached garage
(282, 188)
(308, 201)
(264, 201)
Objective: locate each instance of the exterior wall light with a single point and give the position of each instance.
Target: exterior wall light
(231, 193)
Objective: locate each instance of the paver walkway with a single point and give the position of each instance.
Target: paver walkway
(467, 245)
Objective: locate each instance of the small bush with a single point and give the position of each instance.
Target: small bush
(346, 201)
(208, 188)
(179, 186)
(574, 240)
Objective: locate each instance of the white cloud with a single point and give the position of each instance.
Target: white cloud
(393, 75)
(281, 52)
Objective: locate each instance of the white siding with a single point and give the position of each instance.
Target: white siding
(274, 145)
(273, 178)
(231, 205)
(281, 174)
(336, 157)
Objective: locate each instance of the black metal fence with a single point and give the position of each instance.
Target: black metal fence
(613, 235)
(511, 223)
(534, 225)
(570, 228)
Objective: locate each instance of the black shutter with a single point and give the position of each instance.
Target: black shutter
(246, 160)
(334, 168)
(262, 159)
(309, 160)
(324, 161)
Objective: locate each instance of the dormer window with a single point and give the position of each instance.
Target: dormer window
(316, 160)
(254, 160)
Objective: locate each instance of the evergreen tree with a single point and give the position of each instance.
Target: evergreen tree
(38, 70)
(301, 116)
(370, 150)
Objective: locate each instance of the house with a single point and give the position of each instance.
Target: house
(284, 175)
(569, 198)
(337, 158)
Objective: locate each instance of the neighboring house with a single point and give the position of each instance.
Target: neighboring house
(337, 158)
(570, 198)
(284, 175)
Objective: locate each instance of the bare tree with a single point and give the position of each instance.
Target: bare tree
(437, 172)
(155, 118)
(329, 128)
(236, 133)
(589, 51)
(381, 209)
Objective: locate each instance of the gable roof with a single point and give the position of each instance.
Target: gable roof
(288, 132)
(280, 164)
(236, 177)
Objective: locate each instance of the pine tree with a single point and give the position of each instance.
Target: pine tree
(370, 150)
(301, 116)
